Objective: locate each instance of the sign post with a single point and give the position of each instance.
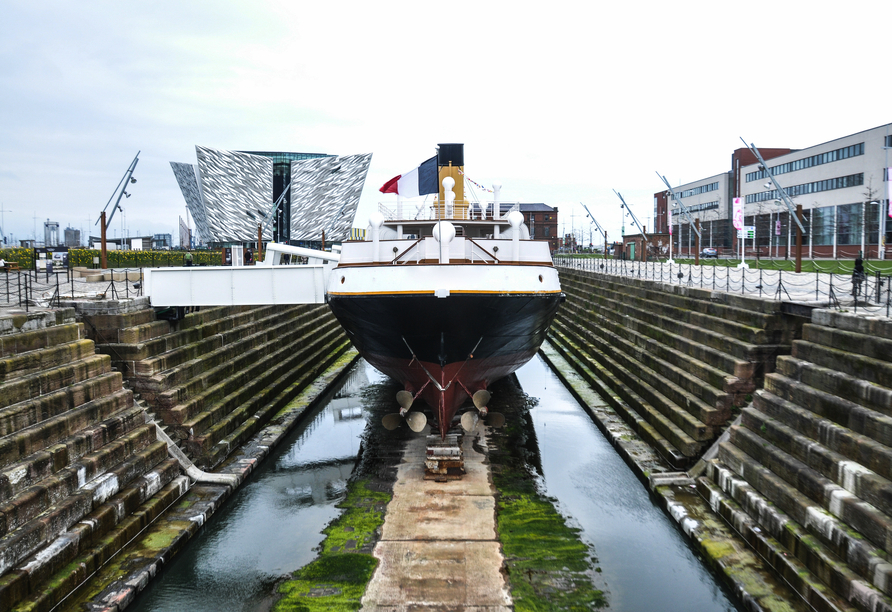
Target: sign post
(738, 225)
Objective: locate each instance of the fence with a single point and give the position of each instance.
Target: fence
(869, 293)
(27, 289)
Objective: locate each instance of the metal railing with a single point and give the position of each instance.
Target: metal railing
(28, 289)
(867, 294)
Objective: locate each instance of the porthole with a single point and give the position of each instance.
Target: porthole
(540, 278)
(342, 280)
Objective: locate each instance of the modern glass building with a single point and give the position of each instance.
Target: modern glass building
(281, 177)
(231, 193)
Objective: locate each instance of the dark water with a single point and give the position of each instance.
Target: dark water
(271, 526)
(645, 561)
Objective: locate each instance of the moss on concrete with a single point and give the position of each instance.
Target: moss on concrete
(337, 579)
(549, 567)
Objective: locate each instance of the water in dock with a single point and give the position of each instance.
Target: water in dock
(271, 526)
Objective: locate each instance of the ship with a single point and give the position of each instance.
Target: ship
(446, 297)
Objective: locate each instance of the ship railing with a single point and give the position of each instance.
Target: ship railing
(476, 251)
(407, 255)
(460, 210)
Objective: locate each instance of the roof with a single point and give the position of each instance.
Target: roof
(536, 208)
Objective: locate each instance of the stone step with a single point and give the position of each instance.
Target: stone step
(851, 475)
(848, 341)
(871, 522)
(833, 534)
(250, 384)
(675, 367)
(863, 392)
(29, 362)
(687, 411)
(42, 581)
(702, 361)
(24, 341)
(670, 440)
(802, 526)
(749, 327)
(33, 468)
(859, 419)
(181, 364)
(34, 385)
(41, 493)
(869, 325)
(48, 433)
(785, 546)
(184, 402)
(27, 413)
(126, 353)
(62, 515)
(692, 294)
(235, 432)
(837, 438)
(111, 328)
(23, 323)
(715, 338)
(876, 371)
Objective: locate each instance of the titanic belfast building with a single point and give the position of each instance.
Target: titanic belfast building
(230, 193)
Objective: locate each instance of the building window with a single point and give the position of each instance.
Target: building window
(808, 162)
(822, 225)
(840, 182)
(698, 190)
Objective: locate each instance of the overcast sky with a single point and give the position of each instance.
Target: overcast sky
(561, 102)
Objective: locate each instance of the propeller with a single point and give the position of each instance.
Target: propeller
(392, 421)
(469, 420)
(416, 421)
(404, 399)
(481, 399)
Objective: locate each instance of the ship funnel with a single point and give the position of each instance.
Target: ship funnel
(451, 162)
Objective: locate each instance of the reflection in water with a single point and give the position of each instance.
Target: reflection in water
(645, 560)
(272, 524)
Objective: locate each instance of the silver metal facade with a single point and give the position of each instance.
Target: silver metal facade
(324, 195)
(187, 179)
(237, 190)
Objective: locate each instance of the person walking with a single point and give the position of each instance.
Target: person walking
(858, 275)
(188, 259)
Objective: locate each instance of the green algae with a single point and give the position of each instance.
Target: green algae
(337, 579)
(718, 550)
(548, 565)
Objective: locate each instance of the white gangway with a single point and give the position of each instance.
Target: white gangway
(278, 279)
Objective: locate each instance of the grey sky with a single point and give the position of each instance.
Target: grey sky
(561, 102)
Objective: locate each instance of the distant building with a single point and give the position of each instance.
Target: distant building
(842, 186)
(72, 237)
(542, 220)
(231, 193)
(162, 241)
(50, 233)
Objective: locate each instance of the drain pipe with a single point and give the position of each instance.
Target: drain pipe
(197, 475)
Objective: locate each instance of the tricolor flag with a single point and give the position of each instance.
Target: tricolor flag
(420, 181)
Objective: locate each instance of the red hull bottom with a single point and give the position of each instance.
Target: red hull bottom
(445, 389)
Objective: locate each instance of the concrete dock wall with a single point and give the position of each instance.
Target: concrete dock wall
(82, 471)
(804, 473)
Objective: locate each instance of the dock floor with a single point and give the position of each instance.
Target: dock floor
(439, 547)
